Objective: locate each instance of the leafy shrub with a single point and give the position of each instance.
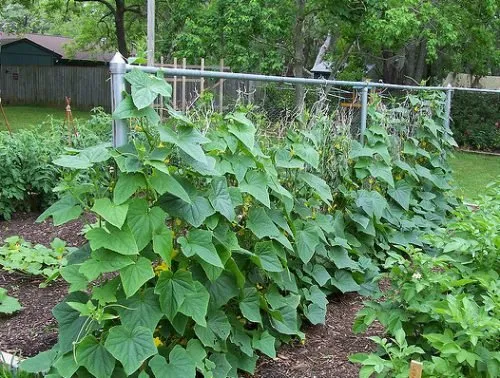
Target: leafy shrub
(211, 246)
(21, 256)
(443, 305)
(27, 173)
(8, 305)
(475, 120)
(207, 248)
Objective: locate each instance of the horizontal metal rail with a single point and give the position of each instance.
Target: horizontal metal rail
(297, 80)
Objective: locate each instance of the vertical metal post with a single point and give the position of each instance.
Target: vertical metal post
(447, 110)
(174, 90)
(202, 79)
(221, 88)
(151, 32)
(364, 112)
(183, 86)
(117, 67)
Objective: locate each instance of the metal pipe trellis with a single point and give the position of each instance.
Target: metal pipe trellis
(119, 66)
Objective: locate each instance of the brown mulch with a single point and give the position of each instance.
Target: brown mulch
(324, 354)
(327, 347)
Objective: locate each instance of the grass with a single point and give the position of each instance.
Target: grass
(21, 117)
(472, 172)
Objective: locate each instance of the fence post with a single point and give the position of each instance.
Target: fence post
(117, 67)
(221, 88)
(364, 112)
(174, 98)
(202, 79)
(447, 110)
(184, 86)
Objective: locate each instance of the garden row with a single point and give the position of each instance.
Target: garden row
(26, 170)
(213, 243)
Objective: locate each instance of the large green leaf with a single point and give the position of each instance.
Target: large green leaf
(114, 239)
(164, 183)
(250, 305)
(163, 243)
(195, 304)
(221, 199)
(77, 280)
(127, 109)
(307, 153)
(69, 320)
(114, 214)
(187, 138)
(42, 362)
(127, 185)
(266, 257)
(146, 88)
(318, 184)
(255, 184)
(135, 275)
(306, 241)
(242, 128)
(172, 289)
(401, 194)
(104, 261)
(222, 366)
(94, 357)
(130, 346)
(344, 281)
(372, 203)
(181, 364)
(142, 309)
(380, 170)
(194, 213)
(199, 243)
(144, 221)
(262, 226)
(62, 211)
(265, 343)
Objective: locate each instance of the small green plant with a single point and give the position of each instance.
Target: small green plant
(27, 173)
(21, 256)
(444, 302)
(8, 305)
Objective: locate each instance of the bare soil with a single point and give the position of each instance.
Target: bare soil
(324, 353)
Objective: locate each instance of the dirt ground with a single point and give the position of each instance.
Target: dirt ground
(324, 354)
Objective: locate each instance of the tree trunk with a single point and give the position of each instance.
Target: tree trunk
(421, 67)
(298, 45)
(120, 28)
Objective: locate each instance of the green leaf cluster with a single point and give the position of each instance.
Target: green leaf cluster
(443, 306)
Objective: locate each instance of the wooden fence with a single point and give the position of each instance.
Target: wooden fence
(88, 87)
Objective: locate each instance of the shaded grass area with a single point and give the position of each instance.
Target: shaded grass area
(22, 117)
(472, 172)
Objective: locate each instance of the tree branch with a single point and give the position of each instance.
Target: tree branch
(105, 2)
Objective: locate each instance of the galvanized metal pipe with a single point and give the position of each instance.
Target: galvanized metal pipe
(118, 69)
(364, 113)
(447, 110)
(295, 80)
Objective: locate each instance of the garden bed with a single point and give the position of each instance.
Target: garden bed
(324, 353)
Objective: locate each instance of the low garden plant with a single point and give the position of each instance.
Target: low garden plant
(443, 306)
(8, 304)
(23, 257)
(212, 246)
(27, 173)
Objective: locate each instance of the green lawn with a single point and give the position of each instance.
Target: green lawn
(21, 117)
(472, 172)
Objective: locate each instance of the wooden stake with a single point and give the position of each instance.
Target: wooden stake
(416, 369)
(184, 86)
(5, 118)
